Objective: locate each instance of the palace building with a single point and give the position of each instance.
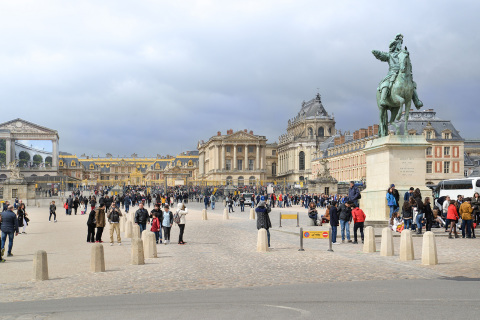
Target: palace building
(236, 158)
(305, 132)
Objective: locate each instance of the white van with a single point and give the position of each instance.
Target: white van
(454, 187)
(248, 198)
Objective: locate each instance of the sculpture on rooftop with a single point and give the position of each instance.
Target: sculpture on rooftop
(397, 89)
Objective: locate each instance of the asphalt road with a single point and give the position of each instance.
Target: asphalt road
(447, 298)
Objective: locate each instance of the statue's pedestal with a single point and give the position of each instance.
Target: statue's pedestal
(398, 160)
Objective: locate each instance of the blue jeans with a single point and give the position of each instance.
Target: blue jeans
(10, 240)
(143, 226)
(407, 223)
(334, 234)
(158, 235)
(242, 206)
(345, 225)
(466, 226)
(213, 206)
(419, 221)
(127, 206)
(392, 210)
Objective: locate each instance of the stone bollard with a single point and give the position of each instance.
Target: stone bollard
(122, 224)
(406, 246)
(262, 241)
(128, 229)
(225, 214)
(369, 243)
(136, 231)
(97, 258)
(386, 248)
(310, 222)
(252, 214)
(149, 244)
(40, 265)
(137, 252)
(204, 214)
(429, 249)
(224, 203)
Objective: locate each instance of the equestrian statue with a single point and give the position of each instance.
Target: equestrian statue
(397, 89)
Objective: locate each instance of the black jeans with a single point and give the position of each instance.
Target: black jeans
(230, 208)
(182, 228)
(428, 224)
(91, 233)
(166, 233)
(356, 226)
(99, 234)
(54, 216)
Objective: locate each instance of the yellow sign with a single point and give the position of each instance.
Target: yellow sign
(289, 216)
(301, 184)
(315, 234)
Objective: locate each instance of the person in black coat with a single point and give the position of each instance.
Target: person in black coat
(91, 223)
(334, 219)
(263, 218)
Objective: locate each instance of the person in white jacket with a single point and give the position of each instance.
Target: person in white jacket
(181, 212)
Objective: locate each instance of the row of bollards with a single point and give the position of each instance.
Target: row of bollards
(429, 246)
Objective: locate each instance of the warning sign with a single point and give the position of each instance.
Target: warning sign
(315, 234)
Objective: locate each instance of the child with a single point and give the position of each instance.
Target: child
(156, 227)
(358, 222)
(53, 208)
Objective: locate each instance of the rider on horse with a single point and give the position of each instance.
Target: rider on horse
(391, 57)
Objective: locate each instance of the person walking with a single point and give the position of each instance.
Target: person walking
(334, 221)
(114, 220)
(230, 204)
(417, 196)
(242, 203)
(263, 217)
(167, 220)
(93, 203)
(205, 201)
(466, 215)
(53, 209)
(91, 224)
(9, 228)
(358, 222)
(212, 201)
(100, 222)
(182, 211)
(22, 216)
(156, 226)
(70, 205)
(452, 218)
(76, 203)
(141, 217)
(345, 218)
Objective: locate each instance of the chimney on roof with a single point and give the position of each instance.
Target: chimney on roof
(362, 133)
(370, 131)
(355, 135)
(219, 133)
(251, 132)
(375, 129)
(245, 130)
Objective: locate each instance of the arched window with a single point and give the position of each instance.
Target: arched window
(301, 160)
(92, 166)
(321, 132)
(274, 169)
(179, 163)
(48, 160)
(310, 132)
(190, 163)
(60, 163)
(241, 181)
(251, 181)
(229, 181)
(157, 166)
(73, 164)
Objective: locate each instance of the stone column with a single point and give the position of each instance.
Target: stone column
(246, 157)
(257, 160)
(8, 151)
(12, 151)
(54, 153)
(235, 157)
(223, 157)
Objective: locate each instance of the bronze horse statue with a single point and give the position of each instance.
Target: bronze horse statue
(401, 93)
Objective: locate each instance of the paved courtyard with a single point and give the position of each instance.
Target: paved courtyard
(219, 254)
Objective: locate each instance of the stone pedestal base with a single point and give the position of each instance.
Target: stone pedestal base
(398, 160)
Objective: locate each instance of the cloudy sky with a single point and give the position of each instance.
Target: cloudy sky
(157, 76)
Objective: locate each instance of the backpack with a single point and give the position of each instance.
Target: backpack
(176, 218)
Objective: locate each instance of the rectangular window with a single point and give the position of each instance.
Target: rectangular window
(447, 136)
(429, 151)
(228, 164)
(446, 151)
(429, 135)
(239, 149)
(429, 166)
(250, 149)
(14, 193)
(274, 152)
(446, 167)
(1, 192)
(228, 148)
(239, 164)
(250, 164)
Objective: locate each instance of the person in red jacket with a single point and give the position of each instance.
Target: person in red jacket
(358, 219)
(452, 218)
(156, 227)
